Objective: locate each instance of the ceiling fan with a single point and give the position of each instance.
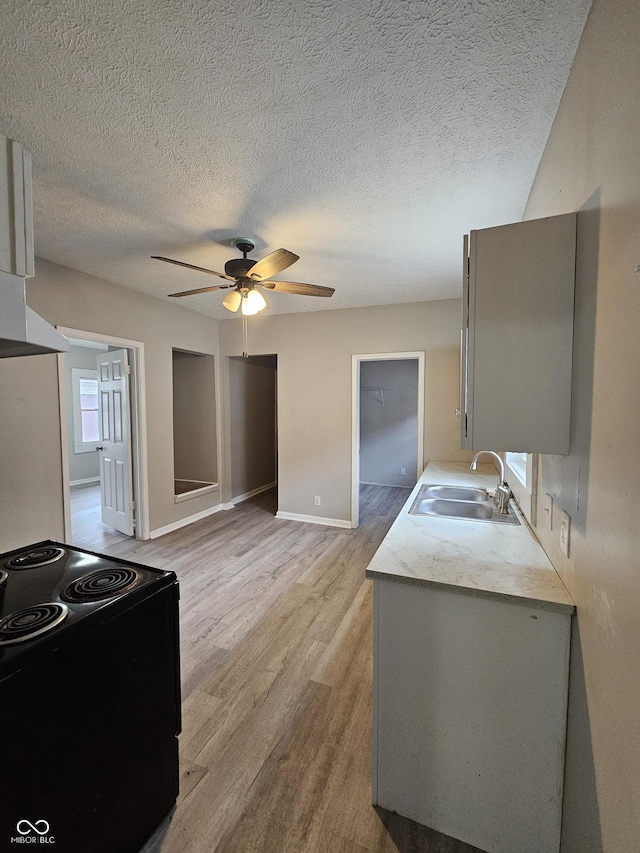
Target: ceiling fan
(245, 274)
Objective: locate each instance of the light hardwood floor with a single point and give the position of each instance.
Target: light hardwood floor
(276, 624)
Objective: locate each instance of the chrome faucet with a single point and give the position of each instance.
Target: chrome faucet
(496, 457)
(503, 492)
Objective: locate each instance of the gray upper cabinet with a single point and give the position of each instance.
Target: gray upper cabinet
(16, 215)
(517, 336)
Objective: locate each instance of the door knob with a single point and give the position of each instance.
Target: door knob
(99, 447)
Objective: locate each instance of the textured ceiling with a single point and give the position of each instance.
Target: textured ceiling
(364, 135)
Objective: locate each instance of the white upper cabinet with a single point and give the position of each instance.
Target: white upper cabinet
(517, 336)
(16, 214)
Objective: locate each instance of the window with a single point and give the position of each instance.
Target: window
(522, 476)
(86, 427)
(518, 464)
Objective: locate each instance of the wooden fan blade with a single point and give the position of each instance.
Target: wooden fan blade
(272, 264)
(190, 267)
(299, 288)
(202, 290)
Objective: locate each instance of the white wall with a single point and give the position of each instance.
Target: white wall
(314, 389)
(592, 164)
(30, 460)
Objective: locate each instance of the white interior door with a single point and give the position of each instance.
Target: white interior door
(115, 444)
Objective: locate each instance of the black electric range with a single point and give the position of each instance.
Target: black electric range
(89, 699)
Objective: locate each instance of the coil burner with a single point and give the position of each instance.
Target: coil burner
(104, 583)
(25, 624)
(34, 558)
(89, 698)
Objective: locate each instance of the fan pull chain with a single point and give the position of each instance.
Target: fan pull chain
(245, 347)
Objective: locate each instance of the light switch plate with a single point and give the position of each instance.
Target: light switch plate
(548, 511)
(565, 530)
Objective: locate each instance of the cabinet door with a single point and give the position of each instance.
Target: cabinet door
(470, 704)
(464, 345)
(16, 215)
(519, 336)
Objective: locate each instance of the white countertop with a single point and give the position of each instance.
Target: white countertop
(475, 557)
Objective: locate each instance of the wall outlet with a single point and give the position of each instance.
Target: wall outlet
(316, 500)
(565, 531)
(403, 471)
(548, 511)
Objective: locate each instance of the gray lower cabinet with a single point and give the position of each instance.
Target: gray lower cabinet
(470, 702)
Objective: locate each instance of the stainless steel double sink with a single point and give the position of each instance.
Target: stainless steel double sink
(464, 502)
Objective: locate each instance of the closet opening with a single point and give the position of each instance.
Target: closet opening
(195, 457)
(388, 422)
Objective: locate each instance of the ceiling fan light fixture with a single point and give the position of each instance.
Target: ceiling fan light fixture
(253, 302)
(246, 272)
(232, 300)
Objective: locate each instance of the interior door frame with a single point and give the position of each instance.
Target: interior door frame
(356, 361)
(138, 417)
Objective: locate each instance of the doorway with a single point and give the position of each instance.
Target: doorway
(253, 425)
(82, 472)
(387, 421)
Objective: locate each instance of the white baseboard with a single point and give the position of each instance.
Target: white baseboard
(314, 519)
(245, 497)
(183, 522)
(84, 481)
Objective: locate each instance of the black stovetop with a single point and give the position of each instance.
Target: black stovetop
(50, 592)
